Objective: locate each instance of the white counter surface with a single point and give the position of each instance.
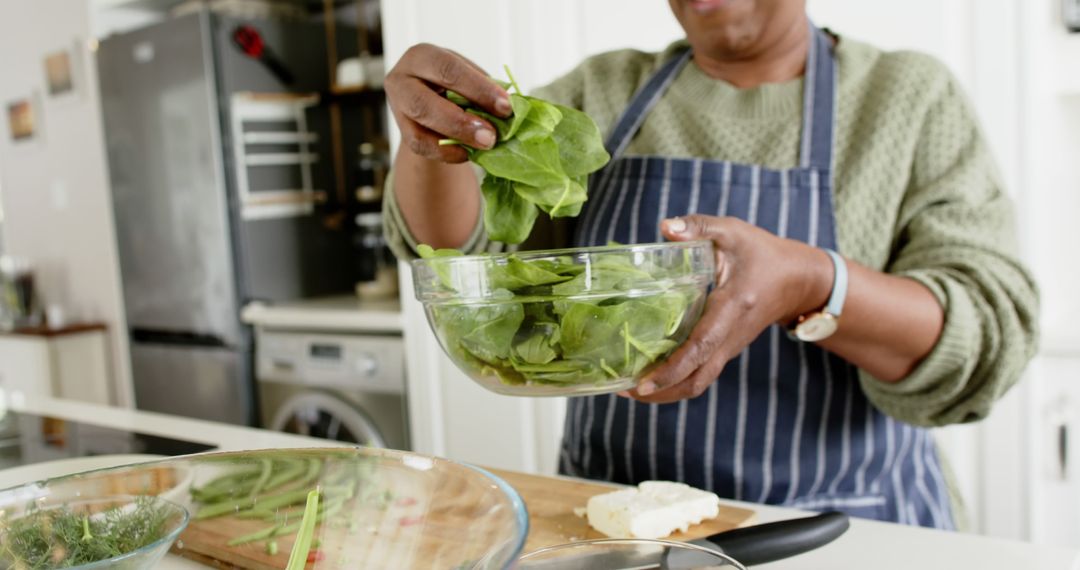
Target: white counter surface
(328, 314)
(873, 545)
(225, 437)
(868, 545)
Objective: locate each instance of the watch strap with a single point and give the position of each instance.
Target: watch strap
(835, 306)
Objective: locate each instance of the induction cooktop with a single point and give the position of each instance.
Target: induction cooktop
(30, 438)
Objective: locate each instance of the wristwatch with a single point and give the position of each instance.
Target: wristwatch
(820, 325)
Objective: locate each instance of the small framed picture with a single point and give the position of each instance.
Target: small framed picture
(59, 74)
(22, 120)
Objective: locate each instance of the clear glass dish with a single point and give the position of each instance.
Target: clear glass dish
(623, 553)
(119, 532)
(565, 322)
(376, 509)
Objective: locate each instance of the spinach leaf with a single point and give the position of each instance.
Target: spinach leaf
(562, 265)
(523, 109)
(458, 99)
(492, 330)
(441, 269)
(507, 128)
(581, 147)
(536, 350)
(546, 150)
(563, 372)
(517, 274)
(564, 200)
(428, 252)
(541, 121)
(533, 161)
(507, 216)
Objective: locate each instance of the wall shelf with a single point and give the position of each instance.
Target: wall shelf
(367, 99)
(373, 91)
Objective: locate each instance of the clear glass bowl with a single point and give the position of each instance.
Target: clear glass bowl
(622, 553)
(121, 532)
(565, 322)
(377, 509)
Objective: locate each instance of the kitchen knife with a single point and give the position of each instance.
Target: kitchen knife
(749, 546)
(764, 543)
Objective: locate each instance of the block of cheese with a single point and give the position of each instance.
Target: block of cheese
(653, 509)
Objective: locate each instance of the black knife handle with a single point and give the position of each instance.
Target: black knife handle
(764, 543)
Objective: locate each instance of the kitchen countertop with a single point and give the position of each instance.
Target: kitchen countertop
(345, 313)
(223, 436)
(869, 544)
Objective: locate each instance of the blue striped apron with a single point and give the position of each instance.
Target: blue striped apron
(786, 423)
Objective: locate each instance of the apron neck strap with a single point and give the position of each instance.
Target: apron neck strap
(643, 102)
(819, 103)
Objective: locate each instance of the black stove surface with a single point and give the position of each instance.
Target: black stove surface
(29, 438)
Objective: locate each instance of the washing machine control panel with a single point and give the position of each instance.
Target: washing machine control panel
(345, 361)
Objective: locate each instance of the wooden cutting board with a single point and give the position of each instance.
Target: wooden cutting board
(384, 541)
(551, 502)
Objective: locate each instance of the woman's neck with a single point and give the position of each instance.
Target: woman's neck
(783, 59)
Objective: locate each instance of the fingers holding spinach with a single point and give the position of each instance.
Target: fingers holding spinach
(415, 89)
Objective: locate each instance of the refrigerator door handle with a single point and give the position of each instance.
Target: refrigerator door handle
(177, 338)
(1063, 450)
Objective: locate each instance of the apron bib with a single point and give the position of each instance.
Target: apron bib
(786, 423)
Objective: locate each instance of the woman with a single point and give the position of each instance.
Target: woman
(807, 378)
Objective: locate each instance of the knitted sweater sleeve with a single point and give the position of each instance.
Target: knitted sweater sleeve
(955, 236)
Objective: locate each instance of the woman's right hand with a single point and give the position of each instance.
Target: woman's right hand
(415, 88)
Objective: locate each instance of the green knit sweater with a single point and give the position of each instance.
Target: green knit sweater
(917, 194)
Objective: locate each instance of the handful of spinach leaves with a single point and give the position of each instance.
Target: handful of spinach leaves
(541, 161)
(552, 321)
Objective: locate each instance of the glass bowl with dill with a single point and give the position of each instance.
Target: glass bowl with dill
(123, 533)
(566, 322)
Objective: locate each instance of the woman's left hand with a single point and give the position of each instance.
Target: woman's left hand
(761, 279)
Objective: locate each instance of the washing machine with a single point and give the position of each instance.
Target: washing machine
(339, 386)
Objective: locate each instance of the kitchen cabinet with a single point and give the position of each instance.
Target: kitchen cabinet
(67, 363)
(1054, 471)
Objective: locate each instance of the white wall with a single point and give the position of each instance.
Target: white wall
(1051, 131)
(55, 189)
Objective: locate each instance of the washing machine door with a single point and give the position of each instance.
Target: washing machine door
(317, 414)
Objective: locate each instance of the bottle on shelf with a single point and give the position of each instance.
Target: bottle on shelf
(370, 174)
(378, 277)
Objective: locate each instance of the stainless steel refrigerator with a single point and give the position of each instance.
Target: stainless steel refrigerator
(190, 255)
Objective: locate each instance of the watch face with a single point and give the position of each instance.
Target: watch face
(816, 327)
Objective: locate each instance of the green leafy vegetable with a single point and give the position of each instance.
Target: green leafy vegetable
(62, 537)
(542, 160)
(506, 213)
(581, 148)
(553, 321)
(533, 161)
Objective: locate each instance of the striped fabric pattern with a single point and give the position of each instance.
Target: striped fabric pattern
(786, 423)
